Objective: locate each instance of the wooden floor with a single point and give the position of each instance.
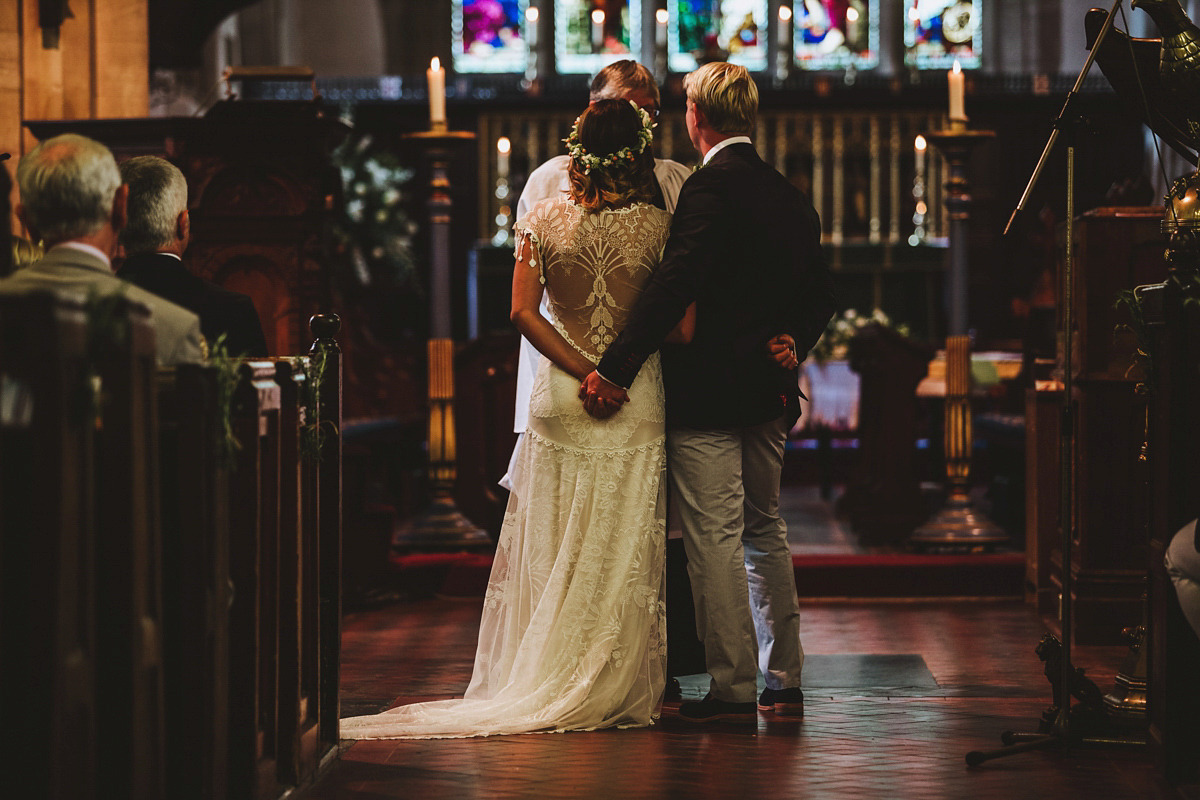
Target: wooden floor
(880, 739)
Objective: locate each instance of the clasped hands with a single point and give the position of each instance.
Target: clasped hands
(602, 399)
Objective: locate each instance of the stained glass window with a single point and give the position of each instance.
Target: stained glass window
(489, 35)
(588, 34)
(939, 32)
(735, 30)
(836, 34)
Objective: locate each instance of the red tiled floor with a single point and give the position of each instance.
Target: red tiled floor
(854, 742)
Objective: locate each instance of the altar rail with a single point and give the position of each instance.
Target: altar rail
(170, 610)
(858, 167)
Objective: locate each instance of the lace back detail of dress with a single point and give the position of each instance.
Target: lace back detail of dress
(594, 265)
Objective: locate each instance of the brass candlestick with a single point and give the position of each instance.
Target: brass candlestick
(958, 523)
(441, 526)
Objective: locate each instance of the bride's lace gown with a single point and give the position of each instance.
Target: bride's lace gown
(573, 633)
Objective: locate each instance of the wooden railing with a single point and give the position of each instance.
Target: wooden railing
(858, 167)
(171, 601)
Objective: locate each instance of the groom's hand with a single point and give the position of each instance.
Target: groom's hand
(601, 399)
(783, 349)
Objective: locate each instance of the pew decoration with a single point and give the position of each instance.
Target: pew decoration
(313, 374)
(106, 332)
(226, 376)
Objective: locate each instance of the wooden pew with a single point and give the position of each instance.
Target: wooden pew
(194, 477)
(128, 566)
(285, 548)
(47, 628)
(170, 617)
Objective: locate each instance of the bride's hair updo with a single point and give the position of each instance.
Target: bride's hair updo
(611, 160)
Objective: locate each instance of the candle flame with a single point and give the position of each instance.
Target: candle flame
(503, 145)
(435, 63)
(914, 14)
(785, 13)
(662, 15)
(920, 143)
(598, 16)
(531, 14)
(957, 66)
(851, 14)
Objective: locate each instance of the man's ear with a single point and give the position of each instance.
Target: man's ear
(120, 210)
(183, 226)
(23, 217)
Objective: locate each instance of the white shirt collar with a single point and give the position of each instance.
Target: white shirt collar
(721, 145)
(172, 255)
(87, 248)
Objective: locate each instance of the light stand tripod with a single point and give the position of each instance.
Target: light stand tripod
(1064, 729)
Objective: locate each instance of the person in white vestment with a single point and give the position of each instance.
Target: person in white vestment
(622, 80)
(572, 635)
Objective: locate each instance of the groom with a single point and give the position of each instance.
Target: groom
(745, 245)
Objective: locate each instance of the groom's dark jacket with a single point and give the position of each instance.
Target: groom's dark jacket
(745, 245)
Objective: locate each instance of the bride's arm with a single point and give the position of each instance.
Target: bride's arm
(526, 297)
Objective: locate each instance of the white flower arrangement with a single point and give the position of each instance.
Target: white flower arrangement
(834, 344)
(591, 161)
(374, 228)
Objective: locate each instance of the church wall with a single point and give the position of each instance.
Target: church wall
(100, 68)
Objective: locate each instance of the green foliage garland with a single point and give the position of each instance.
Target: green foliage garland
(228, 374)
(314, 430)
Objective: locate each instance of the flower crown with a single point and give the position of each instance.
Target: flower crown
(591, 161)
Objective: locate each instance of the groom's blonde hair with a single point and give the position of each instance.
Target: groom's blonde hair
(726, 94)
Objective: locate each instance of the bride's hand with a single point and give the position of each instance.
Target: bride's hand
(601, 399)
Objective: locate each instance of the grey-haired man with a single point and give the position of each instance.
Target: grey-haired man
(72, 199)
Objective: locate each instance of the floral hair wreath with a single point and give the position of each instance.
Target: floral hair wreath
(591, 161)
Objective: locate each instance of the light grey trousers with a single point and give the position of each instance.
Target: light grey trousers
(1183, 565)
(727, 486)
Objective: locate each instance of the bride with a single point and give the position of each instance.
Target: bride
(573, 634)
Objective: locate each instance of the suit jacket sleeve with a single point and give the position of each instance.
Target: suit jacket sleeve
(192, 347)
(686, 266)
(818, 301)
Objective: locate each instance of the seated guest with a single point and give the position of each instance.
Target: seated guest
(73, 201)
(155, 238)
(1183, 565)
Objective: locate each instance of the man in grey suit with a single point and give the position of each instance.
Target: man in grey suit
(72, 199)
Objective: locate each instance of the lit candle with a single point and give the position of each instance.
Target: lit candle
(957, 92)
(503, 148)
(598, 29)
(436, 76)
(660, 31)
(531, 28)
(851, 25)
(919, 146)
(785, 27)
(531, 38)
